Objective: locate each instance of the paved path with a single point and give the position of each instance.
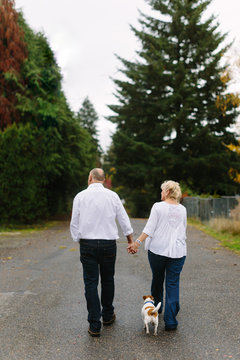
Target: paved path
(43, 311)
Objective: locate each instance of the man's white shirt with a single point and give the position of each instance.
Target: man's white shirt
(94, 214)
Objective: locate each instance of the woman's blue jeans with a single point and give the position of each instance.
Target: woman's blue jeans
(98, 258)
(168, 269)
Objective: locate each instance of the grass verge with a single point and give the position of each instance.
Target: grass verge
(228, 240)
(26, 228)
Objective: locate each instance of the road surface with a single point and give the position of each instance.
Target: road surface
(43, 311)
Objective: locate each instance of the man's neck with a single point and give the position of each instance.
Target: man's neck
(95, 182)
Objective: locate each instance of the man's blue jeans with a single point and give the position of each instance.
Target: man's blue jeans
(98, 258)
(169, 269)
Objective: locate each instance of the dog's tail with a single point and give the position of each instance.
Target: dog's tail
(156, 308)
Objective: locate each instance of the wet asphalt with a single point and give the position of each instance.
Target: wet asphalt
(43, 310)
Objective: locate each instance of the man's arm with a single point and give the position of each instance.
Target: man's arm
(124, 221)
(74, 224)
(130, 238)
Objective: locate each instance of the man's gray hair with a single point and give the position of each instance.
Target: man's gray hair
(98, 174)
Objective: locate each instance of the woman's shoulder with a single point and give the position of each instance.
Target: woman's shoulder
(182, 207)
(162, 204)
(159, 205)
(178, 206)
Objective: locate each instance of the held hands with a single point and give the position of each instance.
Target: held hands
(133, 247)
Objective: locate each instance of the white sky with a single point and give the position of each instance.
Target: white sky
(85, 35)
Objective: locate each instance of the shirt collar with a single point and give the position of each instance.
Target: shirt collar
(95, 185)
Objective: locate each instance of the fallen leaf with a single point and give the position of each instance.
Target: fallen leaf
(72, 249)
(62, 247)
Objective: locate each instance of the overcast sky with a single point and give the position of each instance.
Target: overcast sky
(85, 35)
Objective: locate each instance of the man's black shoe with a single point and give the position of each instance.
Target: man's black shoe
(170, 328)
(94, 333)
(110, 322)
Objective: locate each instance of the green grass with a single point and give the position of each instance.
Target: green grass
(27, 228)
(228, 240)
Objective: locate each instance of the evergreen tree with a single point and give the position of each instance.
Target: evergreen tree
(174, 114)
(42, 99)
(88, 118)
(44, 158)
(12, 55)
(44, 105)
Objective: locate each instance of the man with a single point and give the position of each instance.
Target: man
(93, 225)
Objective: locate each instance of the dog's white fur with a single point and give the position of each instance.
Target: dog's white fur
(150, 313)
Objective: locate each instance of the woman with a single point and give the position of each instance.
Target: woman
(165, 232)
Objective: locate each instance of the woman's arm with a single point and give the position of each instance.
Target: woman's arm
(132, 248)
(147, 231)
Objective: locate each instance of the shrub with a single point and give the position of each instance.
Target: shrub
(41, 169)
(22, 174)
(224, 225)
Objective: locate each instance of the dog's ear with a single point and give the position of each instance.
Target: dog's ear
(151, 297)
(144, 297)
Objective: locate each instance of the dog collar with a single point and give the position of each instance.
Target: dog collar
(151, 302)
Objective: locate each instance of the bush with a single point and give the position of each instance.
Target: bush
(224, 225)
(41, 169)
(22, 174)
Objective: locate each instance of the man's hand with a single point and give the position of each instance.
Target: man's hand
(130, 243)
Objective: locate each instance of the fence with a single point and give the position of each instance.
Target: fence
(207, 208)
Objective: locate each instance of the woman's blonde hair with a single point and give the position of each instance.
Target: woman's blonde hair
(174, 189)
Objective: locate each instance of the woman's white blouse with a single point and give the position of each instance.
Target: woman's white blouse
(166, 230)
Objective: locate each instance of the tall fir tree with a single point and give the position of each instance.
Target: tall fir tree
(40, 103)
(12, 55)
(88, 117)
(174, 113)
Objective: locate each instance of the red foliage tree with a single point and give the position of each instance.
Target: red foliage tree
(12, 54)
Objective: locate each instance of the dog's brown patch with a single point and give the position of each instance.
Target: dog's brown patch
(148, 296)
(150, 313)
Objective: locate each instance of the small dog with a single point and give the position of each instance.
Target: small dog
(150, 313)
